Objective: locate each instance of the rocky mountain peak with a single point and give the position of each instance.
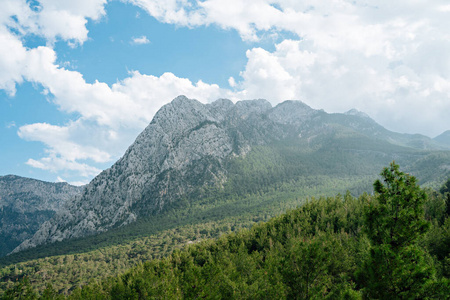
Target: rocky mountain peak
(248, 107)
(222, 103)
(292, 112)
(31, 194)
(355, 112)
(220, 108)
(180, 113)
(9, 177)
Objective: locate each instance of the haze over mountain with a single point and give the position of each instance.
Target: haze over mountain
(27, 203)
(190, 146)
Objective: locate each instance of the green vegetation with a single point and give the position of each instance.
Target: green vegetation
(117, 251)
(325, 249)
(397, 266)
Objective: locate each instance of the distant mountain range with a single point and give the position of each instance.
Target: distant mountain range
(27, 203)
(241, 148)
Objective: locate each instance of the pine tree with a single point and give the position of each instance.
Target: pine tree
(397, 267)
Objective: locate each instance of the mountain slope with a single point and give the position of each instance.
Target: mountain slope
(25, 204)
(189, 149)
(443, 138)
(341, 215)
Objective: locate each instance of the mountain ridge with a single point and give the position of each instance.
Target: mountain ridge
(25, 204)
(187, 146)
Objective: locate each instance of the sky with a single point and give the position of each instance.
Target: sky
(79, 80)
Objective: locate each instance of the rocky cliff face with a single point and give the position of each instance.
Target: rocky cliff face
(27, 203)
(186, 146)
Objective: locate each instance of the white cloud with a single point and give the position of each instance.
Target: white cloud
(79, 183)
(52, 19)
(59, 179)
(55, 164)
(76, 183)
(62, 140)
(56, 23)
(444, 8)
(92, 9)
(231, 82)
(12, 55)
(140, 40)
(180, 12)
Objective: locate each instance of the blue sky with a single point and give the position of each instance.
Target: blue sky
(80, 79)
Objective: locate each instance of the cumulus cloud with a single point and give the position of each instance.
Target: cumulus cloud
(62, 140)
(12, 55)
(232, 82)
(54, 163)
(52, 19)
(140, 40)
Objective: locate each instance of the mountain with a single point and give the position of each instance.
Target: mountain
(190, 149)
(443, 138)
(25, 204)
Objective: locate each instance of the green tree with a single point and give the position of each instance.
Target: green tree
(445, 191)
(50, 293)
(397, 267)
(21, 290)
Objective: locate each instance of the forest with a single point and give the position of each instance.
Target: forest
(394, 244)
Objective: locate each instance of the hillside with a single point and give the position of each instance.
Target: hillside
(154, 237)
(27, 203)
(319, 250)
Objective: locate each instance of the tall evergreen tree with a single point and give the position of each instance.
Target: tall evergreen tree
(397, 267)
